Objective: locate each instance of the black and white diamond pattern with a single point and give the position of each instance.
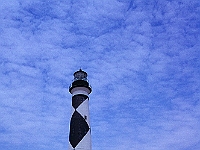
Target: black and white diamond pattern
(78, 124)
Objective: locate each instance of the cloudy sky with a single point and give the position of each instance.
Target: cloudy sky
(142, 60)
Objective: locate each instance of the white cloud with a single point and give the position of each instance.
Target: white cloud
(142, 62)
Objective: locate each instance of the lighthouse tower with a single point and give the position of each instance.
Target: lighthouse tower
(80, 132)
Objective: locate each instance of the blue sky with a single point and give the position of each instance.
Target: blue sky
(142, 60)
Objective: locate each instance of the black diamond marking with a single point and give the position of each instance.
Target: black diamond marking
(78, 129)
(78, 99)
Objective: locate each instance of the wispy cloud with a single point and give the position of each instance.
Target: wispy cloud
(142, 62)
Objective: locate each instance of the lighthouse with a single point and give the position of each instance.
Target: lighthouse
(80, 131)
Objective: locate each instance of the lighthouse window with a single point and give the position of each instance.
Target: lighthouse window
(80, 75)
